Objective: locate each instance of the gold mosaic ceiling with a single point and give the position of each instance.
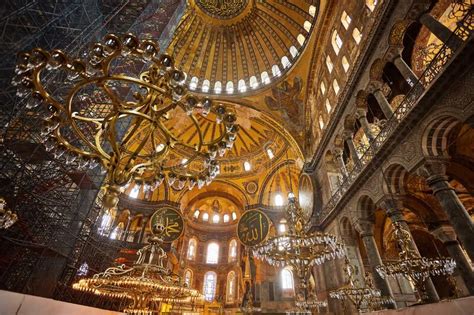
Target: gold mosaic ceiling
(234, 46)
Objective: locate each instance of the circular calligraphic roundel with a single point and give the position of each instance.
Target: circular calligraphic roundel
(172, 222)
(253, 227)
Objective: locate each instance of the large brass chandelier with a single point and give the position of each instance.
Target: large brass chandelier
(147, 283)
(105, 110)
(7, 217)
(299, 249)
(414, 267)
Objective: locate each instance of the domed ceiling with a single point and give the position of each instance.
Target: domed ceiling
(231, 47)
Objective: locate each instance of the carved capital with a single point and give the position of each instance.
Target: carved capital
(445, 233)
(374, 86)
(337, 152)
(393, 208)
(360, 113)
(433, 168)
(347, 134)
(364, 227)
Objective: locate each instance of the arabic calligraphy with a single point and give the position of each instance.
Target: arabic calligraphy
(253, 227)
(172, 221)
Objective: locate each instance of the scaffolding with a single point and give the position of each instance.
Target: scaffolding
(57, 203)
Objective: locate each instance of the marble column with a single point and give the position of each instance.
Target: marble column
(361, 115)
(339, 160)
(447, 236)
(383, 103)
(366, 231)
(435, 174)
(349, 139)
(405, 70)
(392, 209)
(441, 31)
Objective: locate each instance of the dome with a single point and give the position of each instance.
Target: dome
(232, 47)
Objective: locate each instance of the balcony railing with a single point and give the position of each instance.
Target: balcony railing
(429, 75)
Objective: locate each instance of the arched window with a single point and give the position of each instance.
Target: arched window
(335, 86)
(282, 226)
(205, 217)
(265, 77)
(323, 88)
(83, 270)
(312, 10)
(345, 20)
(307, 26)
(345, 63)
(357, 35)
(329, 63)
(192, 246)
(188, 278)
(229, 87)
(218, 87)
(321, 122)
(242, 86)
(117, 232)
(212, 256)
(300, 38)
(278, 200)
(247, 166)
(226, 218)
(232, 250)
(234, 216)
(371, 4)
(336, 42)
(205, 86)
(328, 106)
(270, 153)
(293, 51)
(287, 279)
(105, 223)
(285, 62)
(134, 192)
(216, 218)
(196, 214)
(276, 71)
(209, 288)
(253, 82)
(231, 287)
(194, 83)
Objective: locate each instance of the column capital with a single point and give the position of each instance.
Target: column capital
(364, 227)
(445, 233)
(360, 113)
(347, 134)
(337, 152)
(393, 208)
(433, 168)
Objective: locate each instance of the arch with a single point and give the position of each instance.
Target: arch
(242, 87)
(285, 62)
(336, 42)
(264, 197)
(193, 83)
(345, 20)
(192, 249)
(312, 10)
(307, 26)
(229, 88)
(276, 72)
(293, 51)
(232, 255)
(395, 180)
(376, 69)
(231, 287)
(253, 82)
(212, 253)
(218, 87)
(205, 86)
(188, 278)
(265, 77)
(366, 208)
(436, 135)
(287, 281)
(210, 284)
(301, 39)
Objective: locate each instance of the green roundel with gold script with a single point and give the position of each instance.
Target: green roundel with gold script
(172, 222)
(253, 227)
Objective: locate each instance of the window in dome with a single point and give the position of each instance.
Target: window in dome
(345, 20)
(335, 86)
(321, 122)
(192, 246)
(307, 26)
(196, 214)
(234, 216)
(210, 281)
(212, 256)
(232, 250)
(300, 38)
(285, 62)
(336, 42)
(329, 63)
(357, 35)
(278, 200)
(253, 82)
(188, 278)
(312, 10)
(287, 279)
(194, 83)
(205, 216)
(134, 192)
(247, 166)
(323, 88)
(242, 86)
(265, 77)
(276, 71)
(205, 86)
(226, 218)
(230, 294)
(328, 106)
(293, 51)
(270, 153)
(218, 87)
(345, 63)
(216, 218)
(229, 87)
(371, 4)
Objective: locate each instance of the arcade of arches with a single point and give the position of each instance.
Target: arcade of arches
(363, 109)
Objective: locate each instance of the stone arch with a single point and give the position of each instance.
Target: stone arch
(397, 33)
(435, 136)
(361, 99)
(366, 208)
(395, 179)
(376, 70)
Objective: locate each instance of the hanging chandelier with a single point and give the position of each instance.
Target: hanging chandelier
(7, 217)
(104, 110)
(414, 267)
(299, 249)
(364, 298)
(147, 283)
